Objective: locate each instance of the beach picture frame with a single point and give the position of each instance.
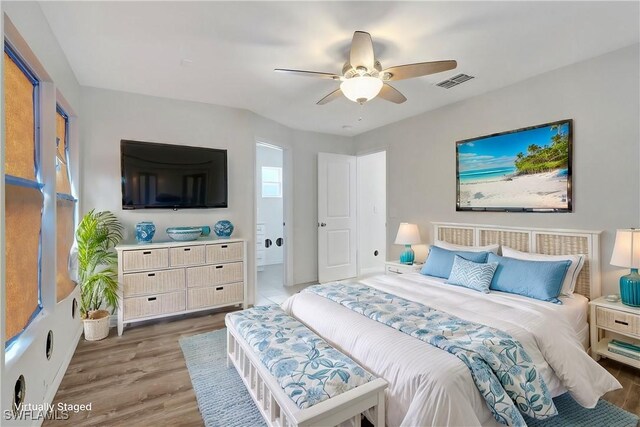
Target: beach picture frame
(522, 170)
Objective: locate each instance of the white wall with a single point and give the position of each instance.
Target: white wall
(110, 116)
(601, 95)
(372, 212)
(270, 209)
(28, 31)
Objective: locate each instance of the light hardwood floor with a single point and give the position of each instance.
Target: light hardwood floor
(140, 379)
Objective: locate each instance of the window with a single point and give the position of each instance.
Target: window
(23, 195)
(65, 207)
(271, 181)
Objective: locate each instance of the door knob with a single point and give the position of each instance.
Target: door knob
(268, 243)
(322, 224)
(279, 241)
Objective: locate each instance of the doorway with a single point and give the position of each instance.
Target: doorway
(352, 196)
(270, 221)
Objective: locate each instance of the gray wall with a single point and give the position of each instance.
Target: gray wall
(601, 95)
(109, 116)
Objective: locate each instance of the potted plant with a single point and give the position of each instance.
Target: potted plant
(97, 235)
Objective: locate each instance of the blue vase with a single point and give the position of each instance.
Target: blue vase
(145, 231)
(223, 229)
(206, 230)
(630, 288)
(407, 256)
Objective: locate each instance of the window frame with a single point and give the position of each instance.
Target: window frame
(278, 182)
(28, 183)
(65, 143)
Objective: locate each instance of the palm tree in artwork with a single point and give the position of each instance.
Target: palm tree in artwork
(533, 148)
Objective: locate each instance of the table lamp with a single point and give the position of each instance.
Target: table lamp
(626, 253)
(408, 234)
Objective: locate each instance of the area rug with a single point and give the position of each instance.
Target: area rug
(224, 401)
(222, 397)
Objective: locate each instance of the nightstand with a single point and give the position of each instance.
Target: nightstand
(617, 319)
(395, 267)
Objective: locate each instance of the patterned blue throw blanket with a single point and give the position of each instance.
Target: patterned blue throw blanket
(307, 368)
(501, 369)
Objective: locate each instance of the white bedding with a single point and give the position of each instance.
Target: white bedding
(429, 386)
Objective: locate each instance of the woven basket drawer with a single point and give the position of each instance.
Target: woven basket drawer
(153, 283)
(214, 274)
(225, 252)
(618, 321)
(145, 259)
(187, 255)
(153, 305)
(215, 295)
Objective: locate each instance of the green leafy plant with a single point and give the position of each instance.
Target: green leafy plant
(97, 235)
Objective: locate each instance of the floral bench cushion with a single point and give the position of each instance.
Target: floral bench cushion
(307, 368)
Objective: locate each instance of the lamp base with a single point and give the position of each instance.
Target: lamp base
(630, 288)
(408, 256)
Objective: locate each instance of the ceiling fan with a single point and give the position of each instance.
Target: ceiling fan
(363, 78)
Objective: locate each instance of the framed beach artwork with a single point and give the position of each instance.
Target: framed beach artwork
(524, 170)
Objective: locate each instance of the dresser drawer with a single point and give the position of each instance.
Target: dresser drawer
(225, 252)
(154, 305)
(153, 282)
(390, 269)
(145, 259)
(215, 295)
(214, 274)
(187, 255)
(618, 321)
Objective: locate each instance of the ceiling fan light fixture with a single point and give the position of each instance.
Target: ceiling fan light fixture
(361, 89)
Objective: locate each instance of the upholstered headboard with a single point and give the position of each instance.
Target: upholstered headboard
(537, 240)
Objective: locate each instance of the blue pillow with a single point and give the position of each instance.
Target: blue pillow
(534, 279)
(472, 275)
(441, 260)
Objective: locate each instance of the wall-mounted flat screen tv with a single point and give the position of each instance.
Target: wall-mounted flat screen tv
(172, 176)
(524, 170)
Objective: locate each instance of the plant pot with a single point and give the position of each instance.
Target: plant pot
(96, 325)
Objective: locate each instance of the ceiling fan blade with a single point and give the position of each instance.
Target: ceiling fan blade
(361, 54)
(392, 94)
(308, 73)
(332, 96)
(410, 71)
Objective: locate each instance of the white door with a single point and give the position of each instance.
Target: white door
(337, 201)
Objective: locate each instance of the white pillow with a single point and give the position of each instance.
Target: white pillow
(451, 247)
(569, 283)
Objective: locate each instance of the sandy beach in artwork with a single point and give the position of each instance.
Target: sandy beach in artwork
(521, 191)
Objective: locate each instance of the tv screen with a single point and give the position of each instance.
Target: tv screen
(524, 170)
(172, 176)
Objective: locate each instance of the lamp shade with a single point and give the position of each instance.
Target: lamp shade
(626, 251)
(408, 234)
(361, 88)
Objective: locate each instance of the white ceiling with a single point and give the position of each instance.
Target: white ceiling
(139, 46)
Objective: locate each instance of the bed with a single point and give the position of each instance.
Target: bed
(428, 386)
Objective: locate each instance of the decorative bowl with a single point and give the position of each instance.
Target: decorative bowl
(184, 234)
(223, 228)
(145, 231)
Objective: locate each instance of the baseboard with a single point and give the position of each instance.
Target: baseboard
(53, 387)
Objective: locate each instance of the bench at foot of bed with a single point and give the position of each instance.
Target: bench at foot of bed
(295, 377)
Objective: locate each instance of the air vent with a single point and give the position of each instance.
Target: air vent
(454, 81)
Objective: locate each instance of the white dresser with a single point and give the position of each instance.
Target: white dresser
(170, 278)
